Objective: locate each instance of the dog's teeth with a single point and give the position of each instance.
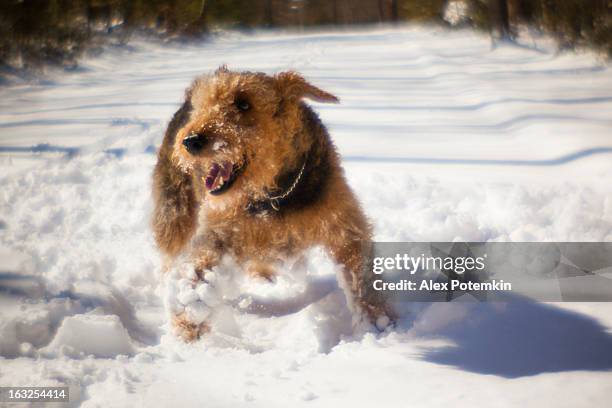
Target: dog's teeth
(217, 184)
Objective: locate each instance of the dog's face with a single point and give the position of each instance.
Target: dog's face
(243, 131)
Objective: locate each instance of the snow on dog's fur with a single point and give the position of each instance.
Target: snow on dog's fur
(247, 169)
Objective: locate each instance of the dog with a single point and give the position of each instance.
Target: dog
(247, 169)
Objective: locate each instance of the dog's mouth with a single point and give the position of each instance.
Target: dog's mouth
(221, 176)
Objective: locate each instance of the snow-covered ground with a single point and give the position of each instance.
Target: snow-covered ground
(444, 137)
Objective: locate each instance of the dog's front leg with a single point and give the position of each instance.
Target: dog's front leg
(199, 301)
(363, 300)
(199, 298)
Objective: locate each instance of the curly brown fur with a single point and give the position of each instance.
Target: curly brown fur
(254, 133)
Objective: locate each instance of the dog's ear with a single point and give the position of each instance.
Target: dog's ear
(292, 86)
(174, 215)
(223, 69)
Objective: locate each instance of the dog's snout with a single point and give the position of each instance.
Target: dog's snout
(194, 143)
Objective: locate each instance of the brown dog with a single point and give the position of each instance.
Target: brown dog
(251, 168)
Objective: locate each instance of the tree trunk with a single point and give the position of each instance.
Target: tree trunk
(394, 12)
(269, 15)
(335, 5)
(198, 27)
(499, 18)
(201, 21)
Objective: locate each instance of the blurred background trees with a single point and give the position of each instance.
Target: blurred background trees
(35, 32)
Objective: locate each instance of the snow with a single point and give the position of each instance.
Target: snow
(85, 334)
(443, 138)
(456, 12)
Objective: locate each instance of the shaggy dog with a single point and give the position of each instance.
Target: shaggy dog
(247, 169)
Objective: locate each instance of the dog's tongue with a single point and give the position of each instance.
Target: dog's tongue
(217, 175)
(226, 171)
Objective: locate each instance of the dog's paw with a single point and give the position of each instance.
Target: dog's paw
(187, 329)
(196, 301)
(377, 318)
(382, 322)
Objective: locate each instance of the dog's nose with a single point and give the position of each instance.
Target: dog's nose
(194, 143)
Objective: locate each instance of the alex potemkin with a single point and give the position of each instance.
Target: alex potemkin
(454, 285)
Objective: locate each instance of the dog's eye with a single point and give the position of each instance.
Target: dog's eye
(242, 104)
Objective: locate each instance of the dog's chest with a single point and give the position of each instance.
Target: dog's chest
(248, 234)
